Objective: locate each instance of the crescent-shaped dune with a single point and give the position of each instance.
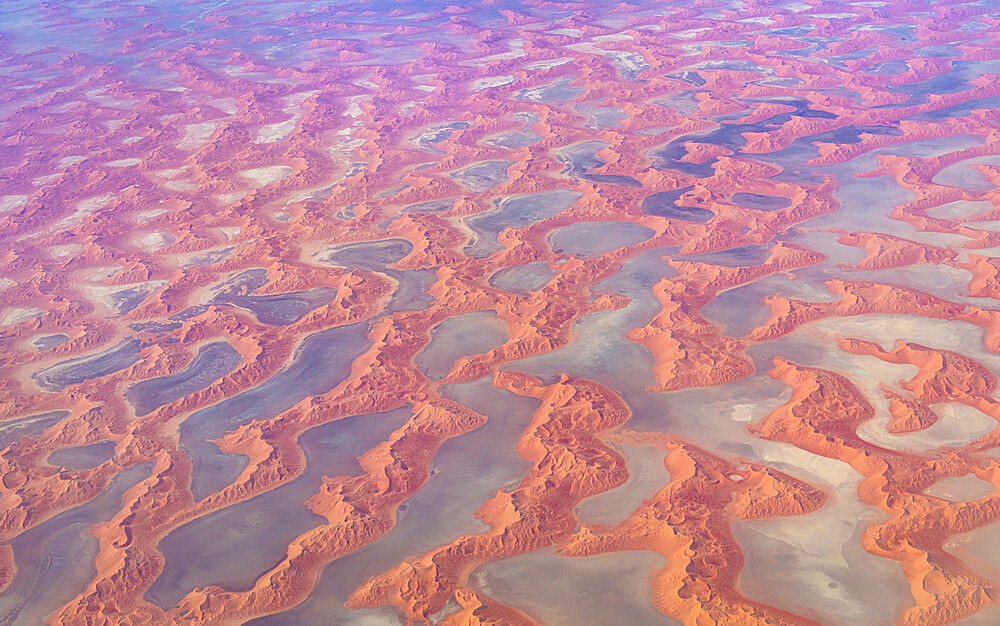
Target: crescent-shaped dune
(367, 312)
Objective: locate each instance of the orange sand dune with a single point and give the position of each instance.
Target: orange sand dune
(151, 156)
(688, 522)
(943, 588)
(570, 463)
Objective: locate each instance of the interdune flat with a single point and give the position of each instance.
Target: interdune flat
(499, 312)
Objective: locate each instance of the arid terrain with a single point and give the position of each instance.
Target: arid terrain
(396, 312)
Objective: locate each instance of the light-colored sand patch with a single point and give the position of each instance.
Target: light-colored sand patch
(800, 289)
(568, 32)
(613, 37)
(278, 131)
(68, 107)
(264, 176)
(296, 99)
(839, 475)
(353, 110)
(9, 203)
(70, 160)
(547, 64)
(960, 488)
(964, 176)
(943, 240)
(629, 61)
(144, 216)
(131, 140)
(958, 425)
(299, 196)
(204, 258)
(886, 329)
(353, 170)
(742, 413)
(260, 77)
(197, 135)
(936, 280)
(231, 197)
(963, 254)
(407, 108)
(98, 274)
(171, 173)
(226, 105)
(491, 82)
(689, 33)
(14, 316)
(426, 88)
(41, 181)
(980, 550)
(93, 204)
(612, 588)
(647, 475)
(5, 282)
(271, 133)
(155, 240)
(180, 186)
(229, 232)
(97, 95)
(105, 294)
(992, 225)
(65, 251)
(814, 564)
(124, 162)
(516, 52)
(930, 148)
